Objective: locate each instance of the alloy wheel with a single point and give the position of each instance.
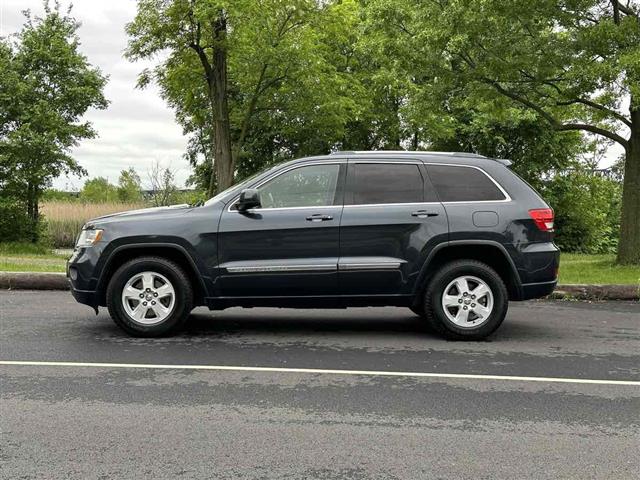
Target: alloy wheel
(467, 301)
(148, 298)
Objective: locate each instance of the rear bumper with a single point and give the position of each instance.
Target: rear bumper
(538, 290)
(538, 266)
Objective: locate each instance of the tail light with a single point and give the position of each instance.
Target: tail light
(543, 218)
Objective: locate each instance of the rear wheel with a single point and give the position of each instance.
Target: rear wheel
(149, 297)
(466, 299)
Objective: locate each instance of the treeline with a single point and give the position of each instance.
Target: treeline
(252, 83)
(256, 82)
(160, 190)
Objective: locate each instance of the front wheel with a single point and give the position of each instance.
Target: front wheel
(149, 297)
(466, 300)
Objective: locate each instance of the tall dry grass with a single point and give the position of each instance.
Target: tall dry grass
(64, 220)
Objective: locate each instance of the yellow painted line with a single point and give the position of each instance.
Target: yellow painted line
(321, 371)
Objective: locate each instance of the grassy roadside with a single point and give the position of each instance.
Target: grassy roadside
(596, 269)
(27, 257)
(574, 268)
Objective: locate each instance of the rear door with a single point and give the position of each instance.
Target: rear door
(391, 220)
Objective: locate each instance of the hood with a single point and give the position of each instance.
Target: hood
(143, 212)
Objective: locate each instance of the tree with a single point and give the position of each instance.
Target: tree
(572, 63)
(129, 186)
(46, 86)
(163, 186)
(536, 149)
(232, 64)
(98, 190)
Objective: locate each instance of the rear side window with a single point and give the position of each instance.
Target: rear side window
(463, 184)
(376, 183)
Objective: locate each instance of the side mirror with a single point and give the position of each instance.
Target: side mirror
(249, 198)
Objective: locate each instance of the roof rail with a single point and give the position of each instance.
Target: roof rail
(503, 161)
(406, 152)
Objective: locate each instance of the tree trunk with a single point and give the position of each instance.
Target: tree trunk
(33, 211)
(629, 246)
(223, 160)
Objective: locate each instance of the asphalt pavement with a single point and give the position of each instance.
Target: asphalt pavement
(125, 421)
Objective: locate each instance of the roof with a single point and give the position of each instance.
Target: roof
(419, 153)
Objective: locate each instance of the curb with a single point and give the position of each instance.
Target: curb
(33, 281)
(596, 292)
(58, 281)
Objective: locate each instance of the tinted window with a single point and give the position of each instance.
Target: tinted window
(463, 184)
(314, 185)
(386, 183)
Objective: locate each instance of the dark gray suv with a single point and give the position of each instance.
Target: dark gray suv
(452, 236)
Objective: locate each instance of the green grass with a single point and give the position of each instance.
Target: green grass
(29, 257)
(30, 265)
(19, 248)
(580, 268)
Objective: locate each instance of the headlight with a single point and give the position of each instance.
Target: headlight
(88, 238)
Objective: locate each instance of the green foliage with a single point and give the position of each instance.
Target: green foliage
(14, 223)
(571, 65)
(587, 208)
(285, 95)
(99, 190)
(505, 78)
(46, 86)
(52, 194)
(129, 186)
(535, 148)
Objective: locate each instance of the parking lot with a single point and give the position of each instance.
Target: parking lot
(358, 393)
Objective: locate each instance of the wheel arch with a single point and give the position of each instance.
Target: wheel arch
(169, 251)
(489, 252)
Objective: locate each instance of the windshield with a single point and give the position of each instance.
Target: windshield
(238, 186)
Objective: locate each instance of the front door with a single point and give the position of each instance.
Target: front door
(391, 221)
(288, 247)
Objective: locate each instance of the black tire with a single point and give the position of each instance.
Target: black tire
(181, 285)
(434, 310)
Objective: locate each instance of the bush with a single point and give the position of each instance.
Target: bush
(15, 225)
(587, 208)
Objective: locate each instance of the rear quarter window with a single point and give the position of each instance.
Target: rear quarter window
(463, 184)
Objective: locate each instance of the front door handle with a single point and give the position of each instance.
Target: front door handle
(319, 217)
(424, 214)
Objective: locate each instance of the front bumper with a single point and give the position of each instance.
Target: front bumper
(86, 297)
(81, 273)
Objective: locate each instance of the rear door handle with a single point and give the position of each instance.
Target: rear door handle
(319, 217)
(424, 214)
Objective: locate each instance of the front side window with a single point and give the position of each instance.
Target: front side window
(379, 183)
(314, 185)
(463, 184)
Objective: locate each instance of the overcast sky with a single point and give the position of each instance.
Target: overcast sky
(137, 128)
